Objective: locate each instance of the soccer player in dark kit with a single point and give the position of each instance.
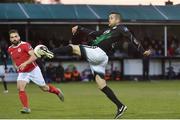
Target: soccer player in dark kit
(97, 53)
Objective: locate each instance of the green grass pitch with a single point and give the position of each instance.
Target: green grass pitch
(155, 99)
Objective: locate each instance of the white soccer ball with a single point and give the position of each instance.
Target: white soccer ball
(38, 50)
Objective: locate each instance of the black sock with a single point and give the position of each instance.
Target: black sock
(5, 85)
(110, 94)
(65, 50)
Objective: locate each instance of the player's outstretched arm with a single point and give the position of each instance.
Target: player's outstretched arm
(87, 32)
(134, 41)
(139, 46)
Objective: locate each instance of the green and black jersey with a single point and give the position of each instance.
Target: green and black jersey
(106, 39)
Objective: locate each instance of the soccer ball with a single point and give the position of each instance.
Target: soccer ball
(42, 50)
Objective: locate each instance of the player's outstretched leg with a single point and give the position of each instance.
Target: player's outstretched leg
(52, 89)
(110, 94)
(64, 50)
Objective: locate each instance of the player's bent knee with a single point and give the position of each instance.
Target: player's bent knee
(100, 82)
(76, 49)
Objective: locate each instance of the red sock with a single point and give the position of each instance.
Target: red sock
(24, 99)
(53, 89)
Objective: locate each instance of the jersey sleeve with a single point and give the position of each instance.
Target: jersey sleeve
(126, 33)
(27, 47)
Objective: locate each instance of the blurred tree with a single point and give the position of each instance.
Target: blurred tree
(15, 1)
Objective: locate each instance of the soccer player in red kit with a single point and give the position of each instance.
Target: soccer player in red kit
(23, 58)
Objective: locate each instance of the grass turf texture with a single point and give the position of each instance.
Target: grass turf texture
(156, 99)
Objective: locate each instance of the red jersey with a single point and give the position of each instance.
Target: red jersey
(20, 54)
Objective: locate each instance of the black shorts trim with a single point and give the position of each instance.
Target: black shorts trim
(83, 52)
(100, 74)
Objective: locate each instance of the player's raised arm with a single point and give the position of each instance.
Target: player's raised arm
(88, 32)
(124, 30)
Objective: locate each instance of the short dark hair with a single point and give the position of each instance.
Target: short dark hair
(117, 14)
(13, 31)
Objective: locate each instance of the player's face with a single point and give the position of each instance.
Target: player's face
(15, 38)
(113, 20)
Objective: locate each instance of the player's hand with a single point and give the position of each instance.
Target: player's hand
(15, 67)
(147, 53)
(22, 66)
(74, 29)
